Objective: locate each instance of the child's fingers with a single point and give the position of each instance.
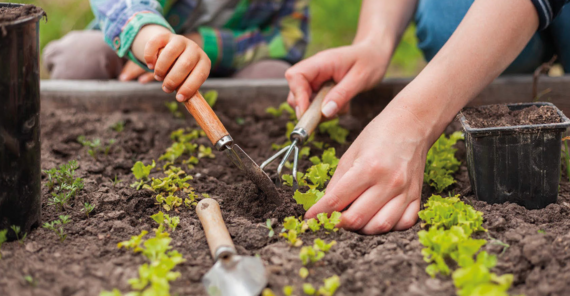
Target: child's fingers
(130, 71)
(152, 47)
(182, 67)
(167, 57)
(146, 78)
(194, 80)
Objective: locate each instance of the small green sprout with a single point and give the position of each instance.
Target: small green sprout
(205, 152)
(309, 254)
(141, 173)
(441, 163)
(165, 219)
(63, 176)
(205, 195)
(119, 126)
(31, 281)
(314, 224)
(88, 208)
(277, 112)
(211, 97)
(334, 130)
(303, 272)
(173, 108)
(288, 290)
(240, 120)
(329, 223)
(270, 227)
(94, 147)
(330, 286)
(541, 231)
(291, 236)
(115, 181)
(169, 202)
(265, 292)
(308, 289)
(57, 226)
(16, 230)
(3, 238)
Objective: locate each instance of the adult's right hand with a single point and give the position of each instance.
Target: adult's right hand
(354, 68)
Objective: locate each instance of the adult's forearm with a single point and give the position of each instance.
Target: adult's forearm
(384, 21)
(488, 39)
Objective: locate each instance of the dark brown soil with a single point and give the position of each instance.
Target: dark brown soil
(501, 115)
(11, 14)
(391, 264)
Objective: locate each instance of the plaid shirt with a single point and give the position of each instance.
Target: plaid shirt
(257, 29)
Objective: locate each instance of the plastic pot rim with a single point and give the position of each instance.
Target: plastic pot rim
(500, 129)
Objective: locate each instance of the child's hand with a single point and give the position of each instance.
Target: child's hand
(133, 71)
(177, 61)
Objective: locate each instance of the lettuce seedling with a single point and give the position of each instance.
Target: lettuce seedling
(141, 172)
(441, 163)
(92, 146)
(309, 289)
(205, 152)
(314, 224)
(211, 97)
(303, 272)
(63, 177)
(16, 230)
(334, 130)
(270, 227)
(288, 290)
(134, 243)
(329, 223)
(292, 238)
(444, 213)
(169, 202)
(309, 254)
(119, 126)
(476, 279)
(58, 226)
(330, 286)
(3, 238)
(309, 198)
(88, 208)
(277, 112)
(265, 292)
(173, 108)
(319, 244)
(164, 219)
(115, 181)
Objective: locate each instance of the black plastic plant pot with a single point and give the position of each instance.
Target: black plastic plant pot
(518, 164)
(19, 123)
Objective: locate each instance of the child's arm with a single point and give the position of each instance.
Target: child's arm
(284, 38)
(136, 29)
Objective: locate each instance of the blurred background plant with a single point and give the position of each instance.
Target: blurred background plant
(333, 24)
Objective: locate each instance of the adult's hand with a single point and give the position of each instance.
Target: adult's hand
(380, 176)
(133, 71)
(354, 68)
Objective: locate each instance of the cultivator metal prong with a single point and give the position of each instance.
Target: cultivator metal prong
(294, 171)
(287, 151)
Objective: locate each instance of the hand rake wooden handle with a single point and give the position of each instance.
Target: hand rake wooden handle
(312, 117)
(216, 231)
(206, 118)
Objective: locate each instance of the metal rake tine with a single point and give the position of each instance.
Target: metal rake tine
(295, 160)
(282, 163)
(272, 158)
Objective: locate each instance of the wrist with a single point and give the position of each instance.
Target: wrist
(144, 35)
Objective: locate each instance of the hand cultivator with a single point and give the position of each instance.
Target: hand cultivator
(304, 128)
(232, 274)
(221, 139)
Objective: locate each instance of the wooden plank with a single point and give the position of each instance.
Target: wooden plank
(110, 96)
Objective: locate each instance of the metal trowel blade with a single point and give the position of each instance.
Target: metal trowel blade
(253, 172)
(236, 276)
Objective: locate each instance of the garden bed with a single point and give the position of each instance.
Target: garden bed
(88, 261)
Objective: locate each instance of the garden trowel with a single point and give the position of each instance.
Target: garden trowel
(232, 274)
(221, 139)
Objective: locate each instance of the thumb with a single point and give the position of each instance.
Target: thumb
(341, 94)
(131, 71)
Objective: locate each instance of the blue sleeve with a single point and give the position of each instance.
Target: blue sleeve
(548, 10)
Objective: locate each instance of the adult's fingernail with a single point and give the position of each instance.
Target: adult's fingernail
(158, 78)
(166, 89)
(180, 98)
(330, 109)
(150, 66)
(298, 112)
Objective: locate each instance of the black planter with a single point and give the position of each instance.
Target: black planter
(19, 124)
(519, 164)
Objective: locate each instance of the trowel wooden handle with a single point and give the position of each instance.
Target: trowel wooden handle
(206, 118)
(312, 117)
(216, 231)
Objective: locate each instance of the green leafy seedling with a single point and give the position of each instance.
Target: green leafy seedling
(30, 281)
(288, 290)
(330, 286)
(173, 108)
(309, 198)
(211, 97)
(141, 173)
(270, 227)
(441, 163)
(303, 272)
(119, 126)
(292, 238)
(17, 230)
(3, 238)
(309, 254)
(308, 289)
(277, 112)
(314, 224)
(205, 152)
(165, 219)
(88, 208)
(334, 130)
(92, 146)
(58, 226)
(115, 181)
(329, 223)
